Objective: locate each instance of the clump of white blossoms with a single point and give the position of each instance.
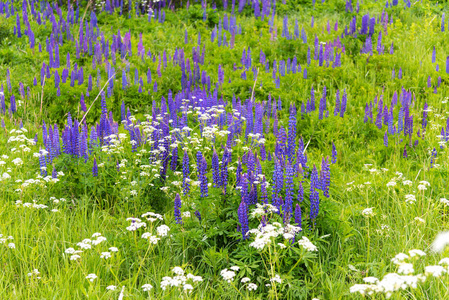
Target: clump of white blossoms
(229, 276)
(4, 240)
(88, 244)
(180, 280)
(307, 244)
(394, 282)
(136, 223)
(410, 199)
(440, 242)
(91, 277)
(34, 274)
(368, 212)
(265, 235)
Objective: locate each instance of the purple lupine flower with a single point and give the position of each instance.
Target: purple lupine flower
(216, 169)
(442, 22)
(447, 65)
(13, 104)
(288, 204)
(291, 133)
(314, 179)
(239, 172)
(198, 215)
(337, 103)
(325, 177)
(344, 100)
(424, 117)
(278, 177)
(298, 216)
(404, 154)
(224, 170)
(243, 219)
(95, 168)
(314, 204)
(323, 105)
(82, 103)
(42, 163)
(202, 169)
(54, 174)
(334, 154)
(386, 139)
(434, 55)
(178, 217)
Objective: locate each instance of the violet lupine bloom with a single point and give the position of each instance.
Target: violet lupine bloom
(424, 116)
(447, 65)
(13, 104)
(325, 177)
(95, 168)
(337, 103)
(224, 170)
(243, 219)
(434, 55)
(244, 188)
(404, 154)
(42, 163)
(83, 104)
(334, 153)
(291, 133)
(202, 169)
(278, 178)
(216, 169)
(300, 193)
(314, 179)
(298, 216)
(239, 172)
(178, 217)
(288, 204)
(344, 100)
(386, 139)
(54, 174)
(314, 204)
(323, 106)
(198, 215)
(442, 23)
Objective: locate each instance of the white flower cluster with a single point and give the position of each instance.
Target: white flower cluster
(368, 212)
(5, 241)
(394, 282)
(136, 223)
(34, 274)
(36, 205)
(264, 235)
(263, 209)
(150, 216)
(179, 280)
(87, 244)
(444, 201)
(228, 275)
(307, 244)
(410, 199)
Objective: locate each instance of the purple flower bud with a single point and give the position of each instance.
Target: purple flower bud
(178, 217)
(243, 219)
(95, 168)
(198, 215)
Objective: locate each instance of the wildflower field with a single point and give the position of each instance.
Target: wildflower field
(263, 149)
